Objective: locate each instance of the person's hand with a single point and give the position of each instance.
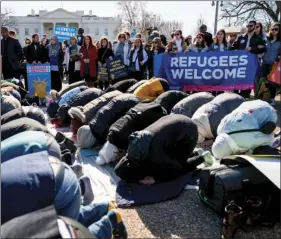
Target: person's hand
(24, 61)
(248, 49)
(34, 62)
(141, 63)
(100, 65)
(110, 58)
(279, 57)
(148, 180)
(86, 61)
(260, 46)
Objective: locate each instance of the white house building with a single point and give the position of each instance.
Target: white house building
(44, 23)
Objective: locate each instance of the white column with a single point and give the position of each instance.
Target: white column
(41, 29)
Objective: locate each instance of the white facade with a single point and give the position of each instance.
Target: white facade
(44, 23)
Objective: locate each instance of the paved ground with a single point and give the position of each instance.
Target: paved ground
(185, 217)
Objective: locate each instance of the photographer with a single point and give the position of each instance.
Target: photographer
(72, 62)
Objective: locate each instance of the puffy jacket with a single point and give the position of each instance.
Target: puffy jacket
(66, 97)
(137, 118)
(109, 113)
(8, 103)
(160, 150)
(31, 112)
(28, 179)
(135, 86)
(209, 116)
(191, 103)
(122, 86)
(20, 125)
(169, 98)
(71, 86)
(87, 112)
(151, 89)
(249, 115)
(80, 99)
(29, 142)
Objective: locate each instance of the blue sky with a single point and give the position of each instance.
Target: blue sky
(185, 11)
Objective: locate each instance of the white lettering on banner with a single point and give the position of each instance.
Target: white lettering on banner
(178, 73)
(174, 62)
(230, 73)
(217, 76)
(223, 61)
(204, 74)
(241, 72)
(192, 59)
(183, 61)
(200, 63)
(243, 60)
(188, 74)
(196, 77)
(233, 61)
(213, 61)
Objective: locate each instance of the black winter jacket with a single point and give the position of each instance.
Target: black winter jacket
(160, 150)
(169, 98)
(109, 113)
(241, 43)
(137, 118)
(39, 55)
(191, 103)
(122, 86)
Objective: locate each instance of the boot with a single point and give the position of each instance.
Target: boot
(232, 220)
(61, 139)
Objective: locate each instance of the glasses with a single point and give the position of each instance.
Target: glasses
(274, 29)
(121, 37)
(257, 26)
(177, 34)
(249, 26)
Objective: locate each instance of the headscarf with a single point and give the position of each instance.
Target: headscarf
(54, 48)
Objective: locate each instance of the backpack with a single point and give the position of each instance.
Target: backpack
(42, 223)
(236, 180)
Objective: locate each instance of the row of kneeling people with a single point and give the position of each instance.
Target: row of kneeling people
(142, 125)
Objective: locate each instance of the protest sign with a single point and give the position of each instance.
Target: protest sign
(208, 71)
(102, 74)
(274, 75)
(116, 68)
(38, 79)
(64, 33)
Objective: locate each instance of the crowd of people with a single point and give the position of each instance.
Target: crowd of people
(150, 131)
(80, 58)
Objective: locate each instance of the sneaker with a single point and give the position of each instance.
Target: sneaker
(78, 170)
(118, 227)
(209, 159)
(86, 188)
(68, 143)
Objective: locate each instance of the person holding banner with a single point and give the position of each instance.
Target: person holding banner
(72, 61)
(177, 44)
(199, 45)
(35, 52)
(156, 48)
(55, 57)
(122, 48)
(104, 53)
(137, 60)
(88, 60)
(272, 55)
(220, 43)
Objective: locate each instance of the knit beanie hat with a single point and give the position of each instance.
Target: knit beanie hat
(85, 137)
(8, 103)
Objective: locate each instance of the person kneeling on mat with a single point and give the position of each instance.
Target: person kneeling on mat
(56, 184)
(251, 125)
(160, 152)
(208, 116)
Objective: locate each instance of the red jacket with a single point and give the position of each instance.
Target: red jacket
(93, 56)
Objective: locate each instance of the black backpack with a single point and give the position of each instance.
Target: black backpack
(236, 180)
(41, 224)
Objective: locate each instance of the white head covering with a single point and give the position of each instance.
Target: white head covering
(85, 137)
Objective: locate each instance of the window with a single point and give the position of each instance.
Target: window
(26, 30)
(36, 30)
(17, 30)
(87, 30)
(106, 31)
(97, 32)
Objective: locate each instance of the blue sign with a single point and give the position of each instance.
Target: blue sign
(64, 33)
(38, 79)
(133, 33)
(116, 68)
(207, 71)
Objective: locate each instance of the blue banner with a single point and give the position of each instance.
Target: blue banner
(64, 33)
(38, 79)
(116, 68)
(102, 74)
(208, 71)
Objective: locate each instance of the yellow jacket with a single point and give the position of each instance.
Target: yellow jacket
(149, 90)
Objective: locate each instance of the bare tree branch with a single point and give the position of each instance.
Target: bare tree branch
(6, 19)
